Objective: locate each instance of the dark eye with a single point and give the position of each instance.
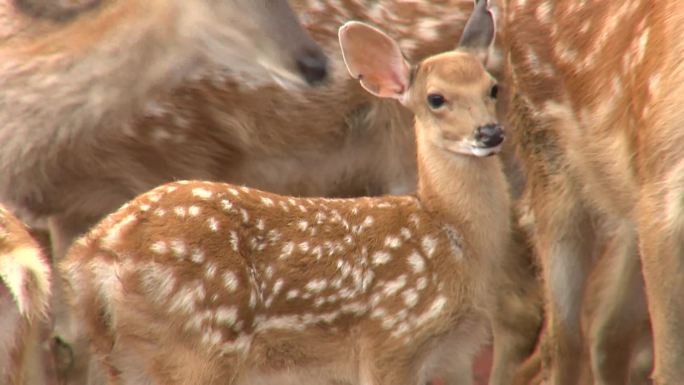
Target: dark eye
(494, 91)
(435, 100)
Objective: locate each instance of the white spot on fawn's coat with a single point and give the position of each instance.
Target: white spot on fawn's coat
(230, 281)
(429, 244)
(392, 242)
(417, 262)
(381, 257)
(194, 211)
(213, 224)
(234, 241)
(317, 285)
(159, 247)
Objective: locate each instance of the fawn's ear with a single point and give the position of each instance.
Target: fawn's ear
(479, 31)
(375, 60)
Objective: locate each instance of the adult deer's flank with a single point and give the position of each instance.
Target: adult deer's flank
(200, 282)
(598, 114)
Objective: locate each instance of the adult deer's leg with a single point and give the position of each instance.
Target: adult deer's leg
(563, 234)
(564, 242)
(661, 231)
(661, 208)
(620, 311)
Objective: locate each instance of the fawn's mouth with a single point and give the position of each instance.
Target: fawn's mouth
(487, 140)
(482, 152)
(473, 148)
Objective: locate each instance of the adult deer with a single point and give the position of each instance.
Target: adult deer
(74, 73)
(598, 117)
(24, 298)
(199, 282)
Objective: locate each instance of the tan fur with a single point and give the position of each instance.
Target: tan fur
(617, 349)
(24, 298)
(616, 345)
(598, 121)
(200, 282)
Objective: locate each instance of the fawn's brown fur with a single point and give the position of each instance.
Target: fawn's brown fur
(198, 282)
(597, 115)
(24, 299)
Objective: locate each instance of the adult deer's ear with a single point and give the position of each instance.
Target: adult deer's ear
(479, 31)
(374, 59)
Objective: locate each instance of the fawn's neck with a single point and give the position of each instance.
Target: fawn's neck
(467, 192)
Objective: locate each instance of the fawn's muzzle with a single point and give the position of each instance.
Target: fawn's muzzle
(489, 135)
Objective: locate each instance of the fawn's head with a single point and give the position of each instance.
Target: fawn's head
(451, 94)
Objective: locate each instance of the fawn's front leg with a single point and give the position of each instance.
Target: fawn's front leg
(518, 314)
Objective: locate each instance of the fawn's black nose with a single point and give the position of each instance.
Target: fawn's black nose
(489, 135)
(313, 65)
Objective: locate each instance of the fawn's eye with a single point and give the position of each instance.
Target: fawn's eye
(435, 100)
(494, 91)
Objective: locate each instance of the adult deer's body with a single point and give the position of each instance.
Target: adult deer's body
(73, 74)
(598, 110)
(24, 297)
(72, 79)
(198, 282)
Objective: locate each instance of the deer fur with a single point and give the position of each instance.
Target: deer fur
(24, 300)
(626, 355)
(597, 118)
(626, 358)
(77, 84)
(199, 282)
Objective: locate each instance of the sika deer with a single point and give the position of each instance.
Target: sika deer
(598, 112)
(199, 282)
(68, 75)
(24, 297)
(72, 71)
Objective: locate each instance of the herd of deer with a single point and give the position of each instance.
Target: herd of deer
(380, 254)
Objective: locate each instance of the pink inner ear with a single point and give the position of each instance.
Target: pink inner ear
(374, 59)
